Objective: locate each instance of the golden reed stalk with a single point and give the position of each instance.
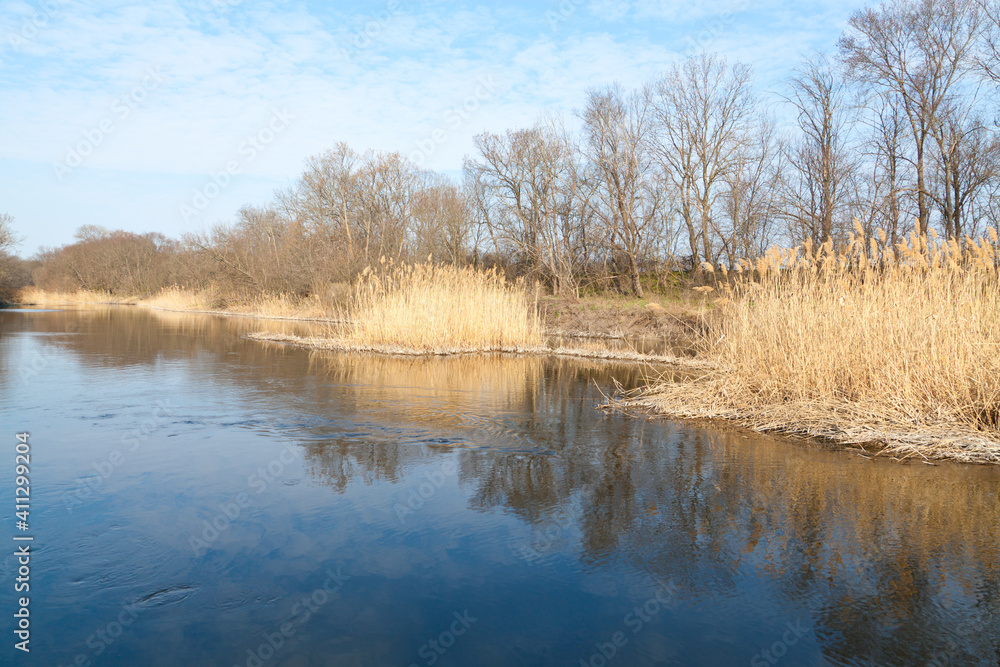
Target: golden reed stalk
(898, 347)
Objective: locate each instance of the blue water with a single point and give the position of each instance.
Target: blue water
(202, 499)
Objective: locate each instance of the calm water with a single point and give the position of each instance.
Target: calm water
(201, 499)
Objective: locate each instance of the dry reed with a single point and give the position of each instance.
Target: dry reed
(34, 295)
(434, 308)
(893, 347)
(277, 306)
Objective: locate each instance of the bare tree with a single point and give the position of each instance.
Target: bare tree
(523, 185)
(618, 128)
(816, 195)
(441, 220)
(322, 205)
(968, 161)
(751, 199)
(386, 185)
(920, 50)
(706, 111)
(8, 239)
(891, 192)
(988, 60)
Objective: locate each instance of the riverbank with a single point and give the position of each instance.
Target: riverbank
(672, 317)
(894, 355)
(588, 350)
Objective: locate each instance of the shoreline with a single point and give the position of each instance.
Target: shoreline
(869, 435)
(556, 333)
(850, 427)
(336, 345)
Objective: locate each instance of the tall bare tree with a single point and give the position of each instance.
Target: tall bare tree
(441, 217)
(706, 111)
(921, 51)
(816, 192)
(523, 183)
(618, 129)
(751, 199)
(968, 162)
(322, 205)
(7, 237)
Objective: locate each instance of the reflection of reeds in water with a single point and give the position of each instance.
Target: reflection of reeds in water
(867, 509)
(436, 385)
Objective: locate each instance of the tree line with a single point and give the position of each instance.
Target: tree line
(894, 133)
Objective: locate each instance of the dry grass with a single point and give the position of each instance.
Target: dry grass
(176, 298)
(39, 296)
(284, 305)
(428, 308)
(279, 306)
(859, 348)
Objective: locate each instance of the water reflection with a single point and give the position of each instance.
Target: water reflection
(489, 484)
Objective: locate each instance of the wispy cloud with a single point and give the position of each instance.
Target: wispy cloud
(378, 74)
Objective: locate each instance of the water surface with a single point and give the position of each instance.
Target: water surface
(196, 493)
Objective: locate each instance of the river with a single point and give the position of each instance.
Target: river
(202, 499)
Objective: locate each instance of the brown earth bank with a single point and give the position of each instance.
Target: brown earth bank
(675, 317)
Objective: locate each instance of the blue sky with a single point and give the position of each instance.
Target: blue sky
(169, 116)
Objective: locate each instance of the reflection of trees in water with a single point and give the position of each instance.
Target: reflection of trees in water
(877, 551)
(895, 563)
(122, 336)
(342, 462)
(890, 561)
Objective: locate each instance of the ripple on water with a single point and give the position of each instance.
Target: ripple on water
(166, 596)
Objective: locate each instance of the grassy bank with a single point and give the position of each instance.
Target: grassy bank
(853, 347)
(281, 306)
(35, 296)
(671, 316)
(894, 351)
(193, 301)
(429, 309)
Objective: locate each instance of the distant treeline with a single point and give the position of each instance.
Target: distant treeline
(895, 131)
